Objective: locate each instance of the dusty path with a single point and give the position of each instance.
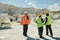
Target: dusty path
(16, 32)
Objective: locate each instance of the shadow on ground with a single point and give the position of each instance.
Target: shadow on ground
(30, 38)
(56, 38)
(42, 38)
(5, 28)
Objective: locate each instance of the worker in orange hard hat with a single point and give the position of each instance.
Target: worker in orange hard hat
(25, 21)
(39, 22)
(48, 24)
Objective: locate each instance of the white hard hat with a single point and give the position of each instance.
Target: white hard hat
(25, 12)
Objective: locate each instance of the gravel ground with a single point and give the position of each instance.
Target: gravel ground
(16, 33)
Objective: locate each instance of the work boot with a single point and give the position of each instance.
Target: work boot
(25, 35)
(41, 37)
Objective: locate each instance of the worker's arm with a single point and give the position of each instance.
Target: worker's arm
(36, 21)
(46, 20)
(21, 20)
(42, 20)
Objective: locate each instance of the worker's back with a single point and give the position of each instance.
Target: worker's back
(24, 20)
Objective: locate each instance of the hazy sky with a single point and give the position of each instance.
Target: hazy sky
(32, 3)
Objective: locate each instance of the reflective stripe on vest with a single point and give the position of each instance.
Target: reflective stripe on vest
(39, 23)
(48, 20)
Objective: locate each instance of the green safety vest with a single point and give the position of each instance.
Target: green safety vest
(39, 23)
(48, 20)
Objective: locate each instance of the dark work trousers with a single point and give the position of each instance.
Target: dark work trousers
(40, 31)
(25, 28)
(48, 28)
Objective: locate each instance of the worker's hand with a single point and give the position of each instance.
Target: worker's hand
(20, 23)
(43, 22)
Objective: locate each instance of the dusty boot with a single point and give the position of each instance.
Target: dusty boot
(25, 35)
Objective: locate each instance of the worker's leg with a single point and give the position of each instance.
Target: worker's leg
(25, 28)
(50, 30)
(40, 30)
(46, 29)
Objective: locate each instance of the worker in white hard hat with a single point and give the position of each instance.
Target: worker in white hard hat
(25, 20)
